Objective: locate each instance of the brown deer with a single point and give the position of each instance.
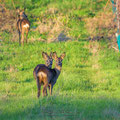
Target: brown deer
(23, 26)
(48, 62)
(48, 76)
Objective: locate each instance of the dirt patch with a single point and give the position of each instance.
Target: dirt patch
(54, 28)
(62, 37)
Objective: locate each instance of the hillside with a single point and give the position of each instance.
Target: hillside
(88, 86)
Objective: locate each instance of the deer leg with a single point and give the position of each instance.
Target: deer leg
(26, 35)
(19, 38)
(45, 89)
(38, 86)
(46, 92)
(22, 38)
(50, 87)
(39, 91)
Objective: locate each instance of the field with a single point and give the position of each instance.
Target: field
(88, 86)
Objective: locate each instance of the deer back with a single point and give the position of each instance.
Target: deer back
(48, 62)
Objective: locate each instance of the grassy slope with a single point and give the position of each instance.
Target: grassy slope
(87, 88)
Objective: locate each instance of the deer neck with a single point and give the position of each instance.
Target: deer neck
(58, 70)
(57, 73)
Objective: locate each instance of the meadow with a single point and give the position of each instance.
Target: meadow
(88, 86)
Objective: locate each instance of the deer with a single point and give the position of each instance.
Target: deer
(47, 76)
(23, 26)
(48, 62)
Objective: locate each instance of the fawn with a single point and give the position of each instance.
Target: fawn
(23, 26)
(48, 76)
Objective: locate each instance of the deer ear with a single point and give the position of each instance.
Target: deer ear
(44, 55)
(62, 56)
(54, 55)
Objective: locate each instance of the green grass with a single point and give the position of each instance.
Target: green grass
(88, 86)
(81, 92)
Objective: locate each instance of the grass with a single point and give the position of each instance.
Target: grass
(81, 92)
(88, 86)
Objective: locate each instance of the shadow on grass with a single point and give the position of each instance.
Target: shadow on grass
(28, 80)
(63, 108)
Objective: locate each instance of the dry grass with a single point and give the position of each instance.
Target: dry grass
(54, 28)
(8, 21)
(102, 25)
